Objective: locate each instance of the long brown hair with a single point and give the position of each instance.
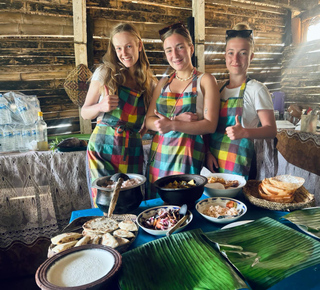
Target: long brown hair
(116, 72)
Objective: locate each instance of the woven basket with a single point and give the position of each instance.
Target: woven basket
(76, 84)
(302, 199)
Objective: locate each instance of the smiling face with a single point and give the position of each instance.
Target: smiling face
(238, 56)
(178, 52)
(127, 48)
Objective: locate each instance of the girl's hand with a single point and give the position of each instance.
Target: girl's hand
(163, 124)
(235, 132)
(211, 162)
(186, 117)
(109, 103)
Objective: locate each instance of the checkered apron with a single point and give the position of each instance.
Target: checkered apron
(176, 152)
(115, 144)
(234, 156)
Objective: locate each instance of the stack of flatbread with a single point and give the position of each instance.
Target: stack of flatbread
(105, 231)
(281, 188)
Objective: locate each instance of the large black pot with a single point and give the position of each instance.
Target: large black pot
(129, 197)
(179, 196)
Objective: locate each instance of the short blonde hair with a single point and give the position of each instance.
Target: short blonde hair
(244, 26)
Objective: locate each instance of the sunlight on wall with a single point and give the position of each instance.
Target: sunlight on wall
(313, 32)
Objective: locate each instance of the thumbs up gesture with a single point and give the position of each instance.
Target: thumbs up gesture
(163, 124)
(235, 132)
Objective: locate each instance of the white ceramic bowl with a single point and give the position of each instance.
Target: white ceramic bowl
(229, 192)
(152, 211)
(204, 204)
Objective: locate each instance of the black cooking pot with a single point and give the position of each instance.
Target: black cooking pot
(129, 197)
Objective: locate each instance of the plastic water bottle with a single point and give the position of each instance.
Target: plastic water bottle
(42, 133)
(1, 140)
(9, 144)
(24, 111)
(5, 113)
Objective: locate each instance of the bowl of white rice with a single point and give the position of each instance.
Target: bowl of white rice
(84, 267)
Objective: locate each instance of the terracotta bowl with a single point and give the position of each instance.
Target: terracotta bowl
(88, 267)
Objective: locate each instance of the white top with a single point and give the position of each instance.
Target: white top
(199, 103)
(256, 97)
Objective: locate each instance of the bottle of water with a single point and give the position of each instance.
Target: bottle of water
(24, 111)
(1, 140)
(42, 133)
(9, 144)
(5, 113)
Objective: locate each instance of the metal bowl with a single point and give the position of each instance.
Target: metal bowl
(129, 197)
(179, 196)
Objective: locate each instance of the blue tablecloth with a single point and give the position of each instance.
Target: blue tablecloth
(308, 279)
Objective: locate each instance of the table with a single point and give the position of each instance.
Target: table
(308, 279)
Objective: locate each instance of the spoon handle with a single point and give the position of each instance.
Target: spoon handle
(177, 225)
(114, 197)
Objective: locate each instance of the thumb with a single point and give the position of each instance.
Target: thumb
(237, 120)
(158, 114)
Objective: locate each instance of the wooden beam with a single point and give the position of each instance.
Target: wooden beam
(198, 12)
(80, 48)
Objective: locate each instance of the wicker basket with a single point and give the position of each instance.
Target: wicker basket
(302, 199)
(76, 84)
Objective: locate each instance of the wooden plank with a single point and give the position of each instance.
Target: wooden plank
(17, 76)
(198, 13)
(39, 60)
(62, 115)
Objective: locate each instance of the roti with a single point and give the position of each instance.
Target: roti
(65, 238)
(109, 240)
(128, 225)
(62, 247)
(101, 225)
(123, 234)
(83, 241)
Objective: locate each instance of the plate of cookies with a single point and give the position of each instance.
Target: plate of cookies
(117, 232)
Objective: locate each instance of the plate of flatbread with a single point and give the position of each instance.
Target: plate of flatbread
(118, 232)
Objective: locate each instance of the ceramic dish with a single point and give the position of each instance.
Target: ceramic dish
(204, 204)
(152, 211)
(229, 192)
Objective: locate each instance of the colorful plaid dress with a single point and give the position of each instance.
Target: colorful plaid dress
(115, 144)
(234, 156)
(176, 152)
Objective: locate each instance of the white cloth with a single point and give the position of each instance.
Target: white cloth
(199, 103)
(256, 97)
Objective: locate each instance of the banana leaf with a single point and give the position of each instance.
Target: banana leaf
(183, 261)
(309, 219)
(266, 251)
(261, 253)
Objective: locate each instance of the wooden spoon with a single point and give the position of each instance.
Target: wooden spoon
(115, 196)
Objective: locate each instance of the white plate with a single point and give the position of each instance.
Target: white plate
(235, 224)
(204, 204)
(306, 231)
(152, 211)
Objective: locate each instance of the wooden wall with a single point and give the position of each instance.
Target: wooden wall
(37, 49)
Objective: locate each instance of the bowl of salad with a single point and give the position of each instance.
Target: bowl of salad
(159, 220)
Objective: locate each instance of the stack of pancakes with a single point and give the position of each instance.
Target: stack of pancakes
(280, 188)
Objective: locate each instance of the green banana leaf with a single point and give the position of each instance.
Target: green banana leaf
(183, 261)
(309, 219)
(264, 252)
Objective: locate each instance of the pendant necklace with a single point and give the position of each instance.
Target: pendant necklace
(188, 78)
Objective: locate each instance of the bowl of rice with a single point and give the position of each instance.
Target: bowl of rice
(221, 210)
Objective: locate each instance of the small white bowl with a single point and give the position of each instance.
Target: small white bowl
(203, 205)
(229, 192)
(152, 211)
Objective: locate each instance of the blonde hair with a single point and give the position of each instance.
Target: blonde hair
(183, 31)
(245, 26)
(116, 72)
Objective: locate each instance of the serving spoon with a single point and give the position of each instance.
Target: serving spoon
(182, 212)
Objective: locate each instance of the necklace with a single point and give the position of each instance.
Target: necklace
(188, 78)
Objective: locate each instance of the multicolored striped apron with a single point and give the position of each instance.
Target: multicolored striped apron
(176, 152)
(115, 144)
(234, 156)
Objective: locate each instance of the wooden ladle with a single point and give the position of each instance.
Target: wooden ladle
(115, 195)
